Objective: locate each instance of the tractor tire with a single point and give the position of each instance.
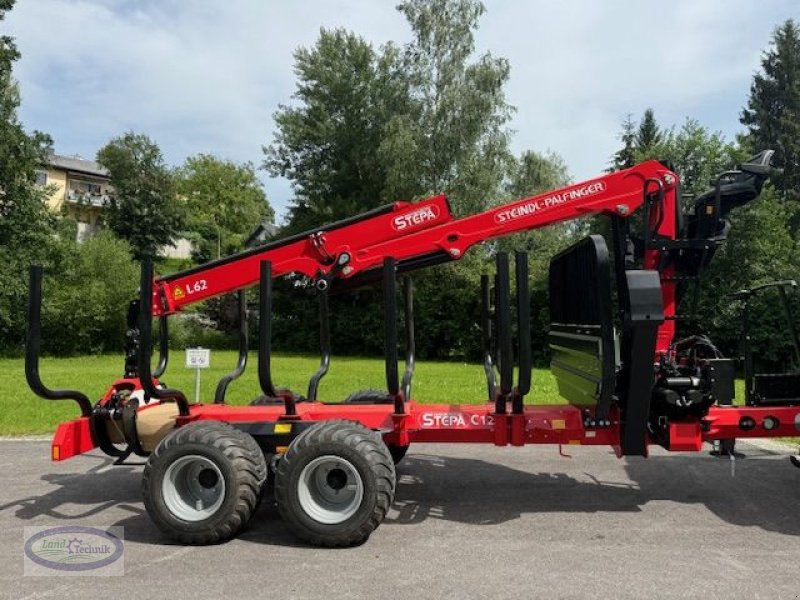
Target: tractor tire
(269, 400)
(203, 482)
(335, 484)
(398, 452)
(378, 397)
(369, 397)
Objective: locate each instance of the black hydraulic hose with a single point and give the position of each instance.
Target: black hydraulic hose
(33, 344)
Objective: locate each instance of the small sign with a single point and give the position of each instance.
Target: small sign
(198, 358)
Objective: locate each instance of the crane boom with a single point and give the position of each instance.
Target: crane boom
(418, 233)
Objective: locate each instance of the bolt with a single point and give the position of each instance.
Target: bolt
(347, 270)
(669, 179)
(623, 209)
(455, 252)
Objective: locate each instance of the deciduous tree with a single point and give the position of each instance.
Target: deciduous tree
(224, 202)
(143, 209)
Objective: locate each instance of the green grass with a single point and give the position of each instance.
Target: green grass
(21, 412)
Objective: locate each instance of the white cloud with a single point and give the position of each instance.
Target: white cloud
(207, 76)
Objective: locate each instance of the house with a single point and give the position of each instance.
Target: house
(80, 189)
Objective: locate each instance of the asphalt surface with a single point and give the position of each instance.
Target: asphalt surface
(468, 522)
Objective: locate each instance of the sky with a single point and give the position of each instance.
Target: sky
(207, 76)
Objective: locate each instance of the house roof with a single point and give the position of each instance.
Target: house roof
(77, 164)
(261, 234)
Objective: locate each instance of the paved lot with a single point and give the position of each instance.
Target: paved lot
(468, 522)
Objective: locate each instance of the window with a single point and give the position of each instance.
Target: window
(41, 178)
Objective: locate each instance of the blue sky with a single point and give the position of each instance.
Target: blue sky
(207, 76)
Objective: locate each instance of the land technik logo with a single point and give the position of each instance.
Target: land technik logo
(74, 550)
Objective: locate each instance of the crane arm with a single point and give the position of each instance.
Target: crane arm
(422, 231)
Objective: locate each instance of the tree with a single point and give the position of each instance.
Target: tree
(639, 143)
(648, 136)
(143, 209)
(460, 106)
(224, 202)
(27, 227)
(699, 155)
(328, 144)
(625, 157)
(759, 249)
(772, 115)
(534, 173)
(371, 127)
(374, 127)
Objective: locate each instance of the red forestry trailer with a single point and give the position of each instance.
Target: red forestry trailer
(628, 383)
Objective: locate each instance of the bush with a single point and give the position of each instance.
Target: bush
(186, 331)
(85, 304)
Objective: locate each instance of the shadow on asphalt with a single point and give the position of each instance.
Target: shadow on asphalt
(94, 491)
(765, 493)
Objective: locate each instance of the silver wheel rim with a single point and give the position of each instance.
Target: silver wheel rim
(330, 489)
(193, 488)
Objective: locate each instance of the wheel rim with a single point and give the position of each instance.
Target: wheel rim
(330, 489)
(193, 488)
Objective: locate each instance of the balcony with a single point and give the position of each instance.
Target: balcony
(87, 198)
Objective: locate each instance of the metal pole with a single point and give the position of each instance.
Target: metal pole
(197, 385)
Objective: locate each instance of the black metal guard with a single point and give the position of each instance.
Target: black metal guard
(145, 344)
(33, 343)
(504, 341)
(524, 333)
(241, 363)
(324, 343)
(390, 331)
(163, 347)
(265, 330)
(486, 336)
(411, 346)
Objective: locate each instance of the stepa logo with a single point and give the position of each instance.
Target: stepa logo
(73, 549)
(416, 218)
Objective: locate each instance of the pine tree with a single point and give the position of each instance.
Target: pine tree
(625, 157)
(772, 115)
(648, 137)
